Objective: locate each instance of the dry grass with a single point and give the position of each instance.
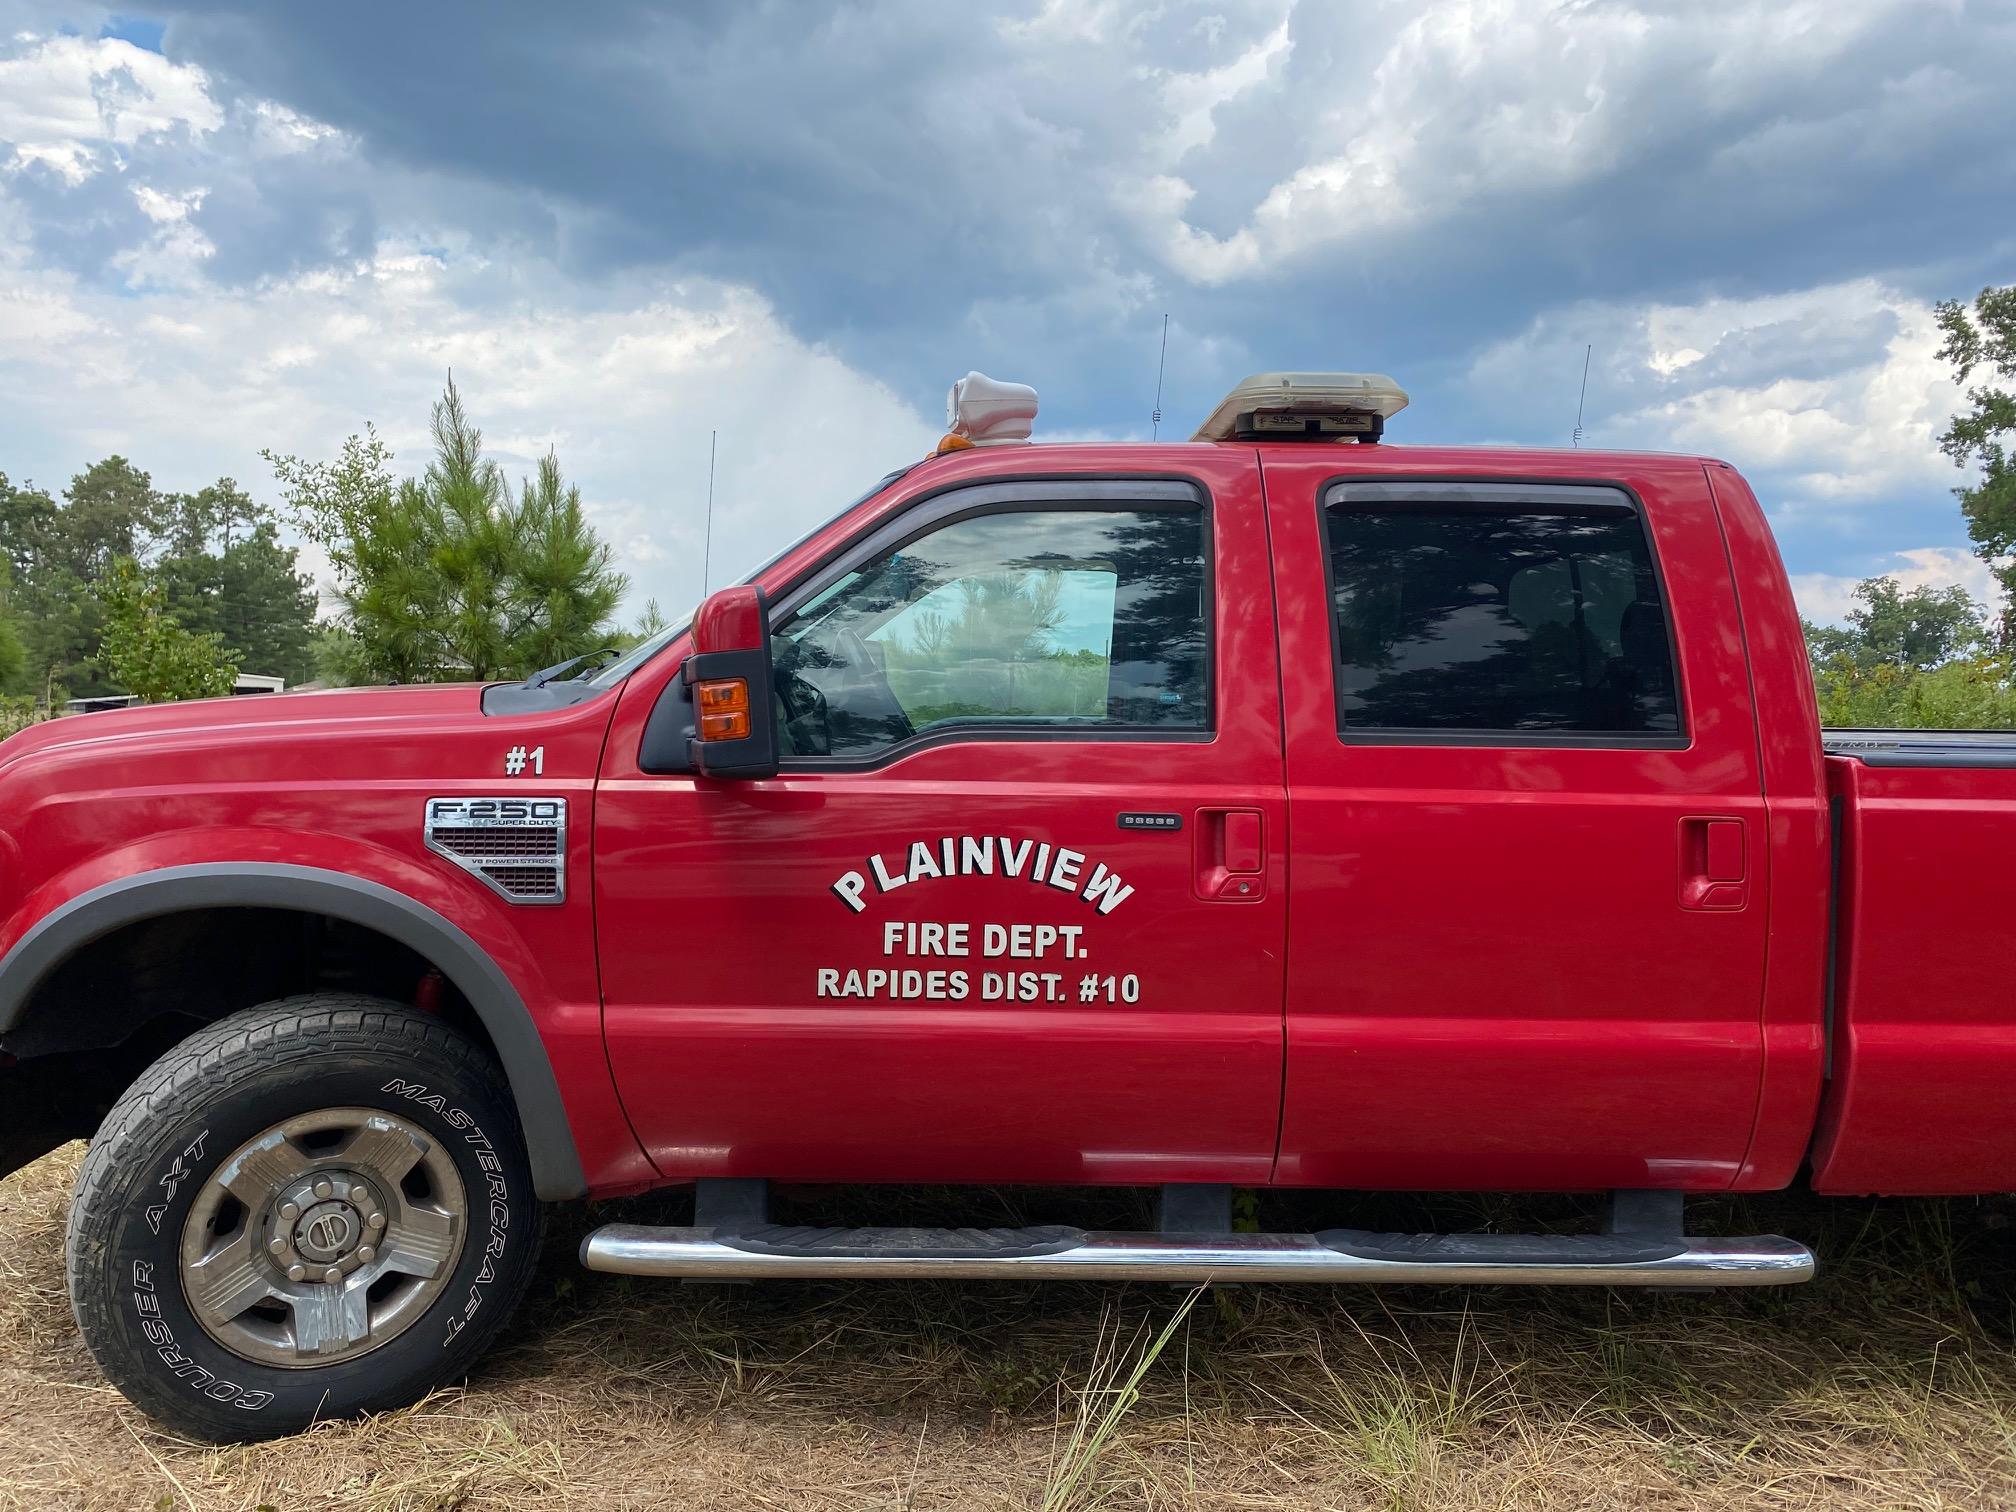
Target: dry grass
(1890, 1383)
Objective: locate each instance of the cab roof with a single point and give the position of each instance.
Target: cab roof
(1149, 456)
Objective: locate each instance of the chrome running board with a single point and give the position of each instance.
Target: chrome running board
(1335, 1255)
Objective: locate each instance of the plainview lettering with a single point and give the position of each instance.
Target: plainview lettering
(1036, 861)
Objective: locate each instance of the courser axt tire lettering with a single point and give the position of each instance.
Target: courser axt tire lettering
(310, 1209)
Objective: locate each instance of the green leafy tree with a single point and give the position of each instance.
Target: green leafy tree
(339, 659)
(226, 573)
(1984, 339)
(336, 504)
(13, 648)
(60, 553)
(1923, 660)
(147, 652)
(111, 511)
(1975, 693)
(27, 518)
(216, 554)
(47, 604)
(450, 575)
(1922, 629)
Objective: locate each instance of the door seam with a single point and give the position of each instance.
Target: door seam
(1764, 839)
(1287, 808)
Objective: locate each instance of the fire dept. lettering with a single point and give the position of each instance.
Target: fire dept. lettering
(1034, 861)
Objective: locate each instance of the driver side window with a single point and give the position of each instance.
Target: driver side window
(1070, 619)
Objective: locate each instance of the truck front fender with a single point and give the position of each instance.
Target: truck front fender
(556, 1163)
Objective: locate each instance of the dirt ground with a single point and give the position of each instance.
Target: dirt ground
(1890, 1382)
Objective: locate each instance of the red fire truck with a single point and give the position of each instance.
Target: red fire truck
(1288, 808)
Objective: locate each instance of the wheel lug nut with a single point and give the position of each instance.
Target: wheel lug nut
(290, 1210)
(332, 1275)
(376, 1220)
(367, 1254)
(296, 1272)
(277, 1245)
(323, 1188)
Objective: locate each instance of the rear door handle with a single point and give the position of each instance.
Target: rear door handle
(1714, 864)
(1231, 855)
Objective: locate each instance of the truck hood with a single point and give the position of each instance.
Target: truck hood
(264, 713)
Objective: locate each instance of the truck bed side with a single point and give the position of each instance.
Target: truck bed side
(1923, 1034)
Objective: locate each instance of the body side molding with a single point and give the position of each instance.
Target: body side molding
(556, 1164)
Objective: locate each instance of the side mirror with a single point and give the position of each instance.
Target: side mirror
(720, 718)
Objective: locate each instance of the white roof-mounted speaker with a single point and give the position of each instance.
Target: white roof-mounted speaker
(981, 412)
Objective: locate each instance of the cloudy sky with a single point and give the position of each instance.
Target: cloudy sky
(241, 225)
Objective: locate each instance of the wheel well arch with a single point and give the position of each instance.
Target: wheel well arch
(238, 913)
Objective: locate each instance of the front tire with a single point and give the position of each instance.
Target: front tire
(314, 1208)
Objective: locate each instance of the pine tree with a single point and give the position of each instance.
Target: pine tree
(449, 576)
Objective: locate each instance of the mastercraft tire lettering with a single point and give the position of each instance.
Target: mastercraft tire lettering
(497, 1209)
(311, 1209)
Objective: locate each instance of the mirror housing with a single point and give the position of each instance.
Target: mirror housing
(720, 718)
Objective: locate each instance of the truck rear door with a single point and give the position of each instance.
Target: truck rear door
(1014, 909)
(1527, 936)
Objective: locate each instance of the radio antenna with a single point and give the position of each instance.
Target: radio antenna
(1161, 365)
(1576, 439)
(707, 551)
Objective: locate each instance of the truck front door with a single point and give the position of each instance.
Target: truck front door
(1528, 932)
(1014, 908)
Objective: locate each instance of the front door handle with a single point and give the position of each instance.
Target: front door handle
(1231, 855)
(1714, 864)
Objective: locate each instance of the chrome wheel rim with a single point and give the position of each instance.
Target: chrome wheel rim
(323, 1238)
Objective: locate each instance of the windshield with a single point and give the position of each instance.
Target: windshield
(643, 651)
(637, 655)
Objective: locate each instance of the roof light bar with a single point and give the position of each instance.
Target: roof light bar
(1305, 407)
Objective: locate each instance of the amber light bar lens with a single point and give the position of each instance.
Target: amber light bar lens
(723, 703)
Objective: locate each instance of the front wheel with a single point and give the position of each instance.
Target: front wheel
(314, 1208)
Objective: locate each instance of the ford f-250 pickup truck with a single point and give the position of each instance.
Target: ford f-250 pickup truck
(1283, 809)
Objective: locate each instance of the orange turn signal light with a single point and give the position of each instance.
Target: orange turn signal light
(723, 703)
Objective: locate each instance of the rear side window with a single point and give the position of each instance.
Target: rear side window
(1491, 617)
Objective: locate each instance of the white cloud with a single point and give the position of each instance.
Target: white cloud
(1192, 98)
(1837, 392)
(1830, 399)
(1075, 23)
(69, 103)
(1826, 598)
(281, 280)
(282, 132)
(192, 381)
(176, 250)
(1854, 433)
(191, 377)
(1475, 100)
